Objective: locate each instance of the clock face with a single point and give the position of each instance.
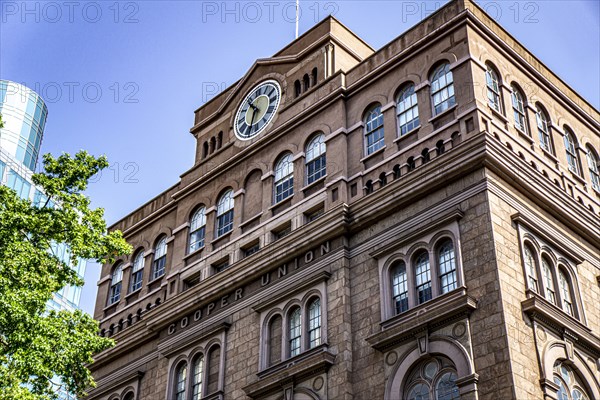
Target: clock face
(257, 110)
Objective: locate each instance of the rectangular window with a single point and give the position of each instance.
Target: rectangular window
(221, 266)
(315, 169)
(248, 251)
(282, 232)
(224, 223)
(159, 267)
(284, 189)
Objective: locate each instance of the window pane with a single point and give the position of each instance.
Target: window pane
(400, 288)
(294, 332)
(423, 278)
(446, 388)
(447, 266)
(314, 323)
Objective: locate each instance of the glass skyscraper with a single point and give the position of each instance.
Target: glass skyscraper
(24, 116)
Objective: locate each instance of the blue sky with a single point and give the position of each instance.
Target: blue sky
(123, 78)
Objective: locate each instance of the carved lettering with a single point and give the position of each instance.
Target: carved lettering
(224, 300)
(238, 294)
(309, 256)
(266, 278)
(282, 271)
(325, 248)
(210, 307)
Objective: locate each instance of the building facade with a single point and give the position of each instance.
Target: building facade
(24, 117)
(416, 222)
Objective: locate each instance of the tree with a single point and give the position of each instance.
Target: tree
(40, 349)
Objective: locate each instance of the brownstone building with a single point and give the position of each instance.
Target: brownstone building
(416, 222)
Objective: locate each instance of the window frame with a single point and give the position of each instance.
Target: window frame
(494, 88)
(374, 126)
(283, 181)
(519, 107)
(543, 127)
(137, 271)
(407, 253)
(197, 232)
(159, 261)
(115, 288)
(407, 102)
(314, 161)
(436, 88)
(225, 213)
(570, 142)
(593, 167)
(556, 262)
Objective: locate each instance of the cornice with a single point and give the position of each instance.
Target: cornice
(104, 385)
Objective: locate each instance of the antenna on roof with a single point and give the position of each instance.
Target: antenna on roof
(297, 16)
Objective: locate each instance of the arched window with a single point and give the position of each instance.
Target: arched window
(115, 284)
(548, 280)
(400, 287)
(425, 157)
(369, 187)
(198, 372)
(316, 159)
(411, 163)
(137, 272)
(518, 106)
(284, 178)
(530, 267)
(294, 331)
(374, 139)
(213, 369)
(570, 385)
(493, 88)
(205, 150)
(225, 213)
(314, 323)
(442, 89)
(440, 148)
(543, 131)
(197, 229)
(306, 82)
(397, 171)
(382, 179)
(565, 292)
(407, 109)
(129, 396)
(315, 72)
(572, 159)
(447, 266)
(423, 277)
(275, 340)
(160, 258)
(594, 168)
(433, 378)
(180, 378)
(220, 140)
(297, 88)
(213, 144)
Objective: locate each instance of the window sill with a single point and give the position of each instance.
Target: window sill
(310, 363)
(281, 203)
(155, 280)
(373, 154)
(193, 253)
(440, 115)
(524, 135)
(407, 134)
(314, 183)
(219, 238)
(540, 309)
(497, 114)
(249, 220)
(438, 310)
(549, 155)
(111, 306)
(130, 294)
(577, 177)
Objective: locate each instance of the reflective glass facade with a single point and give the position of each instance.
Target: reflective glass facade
(24, 117)
(24, 114)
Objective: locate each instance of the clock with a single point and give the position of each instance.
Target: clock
(257, 109)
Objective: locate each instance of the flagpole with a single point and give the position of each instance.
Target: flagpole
(297, 16)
